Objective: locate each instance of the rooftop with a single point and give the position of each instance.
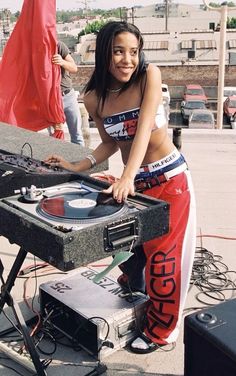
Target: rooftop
(211, 156)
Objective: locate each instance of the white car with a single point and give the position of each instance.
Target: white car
(201, 119)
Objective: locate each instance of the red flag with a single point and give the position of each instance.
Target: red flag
(30, 94)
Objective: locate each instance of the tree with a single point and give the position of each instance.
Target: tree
(217, 5)
(92, 28)
(231, 23)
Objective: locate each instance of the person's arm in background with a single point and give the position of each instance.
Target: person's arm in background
(67, 63)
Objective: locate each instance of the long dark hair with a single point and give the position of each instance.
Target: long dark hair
(101, 77)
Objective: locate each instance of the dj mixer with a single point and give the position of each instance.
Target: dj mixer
(17, 170)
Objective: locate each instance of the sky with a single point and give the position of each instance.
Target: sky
(15, 5)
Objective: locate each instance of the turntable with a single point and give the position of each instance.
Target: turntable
(74, 223)
(69, 206)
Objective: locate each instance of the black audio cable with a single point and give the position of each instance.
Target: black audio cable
(212, 277)
(30, 147)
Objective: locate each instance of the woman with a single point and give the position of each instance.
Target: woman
(124, 99)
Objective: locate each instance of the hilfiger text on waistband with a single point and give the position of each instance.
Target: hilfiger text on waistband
(154, 166)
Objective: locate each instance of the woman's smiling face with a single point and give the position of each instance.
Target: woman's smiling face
(125, 56)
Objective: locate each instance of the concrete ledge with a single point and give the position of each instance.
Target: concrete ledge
(13, 138)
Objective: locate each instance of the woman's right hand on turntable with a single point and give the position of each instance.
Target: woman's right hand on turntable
(57, 161)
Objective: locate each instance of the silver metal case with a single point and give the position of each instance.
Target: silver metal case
(100, 317)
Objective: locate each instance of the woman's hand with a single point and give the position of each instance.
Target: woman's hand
(57, 161)
(121, 189)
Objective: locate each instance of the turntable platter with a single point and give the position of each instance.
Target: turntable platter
(76, 206)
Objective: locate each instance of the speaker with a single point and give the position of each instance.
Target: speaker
(210, 341)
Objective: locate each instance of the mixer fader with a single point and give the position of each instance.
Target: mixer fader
(26, 163)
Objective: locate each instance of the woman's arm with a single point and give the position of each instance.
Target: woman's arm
(108, 146)
(103, 151)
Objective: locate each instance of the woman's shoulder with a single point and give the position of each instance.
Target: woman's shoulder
(153, 75)
(90, 99)
(152, 69)
(92, 104)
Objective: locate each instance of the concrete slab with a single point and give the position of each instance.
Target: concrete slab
(211, 156)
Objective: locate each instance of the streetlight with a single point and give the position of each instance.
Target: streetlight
(221, 76)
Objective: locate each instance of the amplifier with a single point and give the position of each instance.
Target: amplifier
(99, 317)
(210, 341)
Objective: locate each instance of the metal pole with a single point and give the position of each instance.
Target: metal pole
(221, 75)
(167, 14)
(221, 78)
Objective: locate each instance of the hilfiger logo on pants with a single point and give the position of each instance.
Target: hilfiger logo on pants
(162, 289)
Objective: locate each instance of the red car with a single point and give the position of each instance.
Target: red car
(194, 92)
(229, 107)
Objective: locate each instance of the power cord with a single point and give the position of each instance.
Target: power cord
(212, 277)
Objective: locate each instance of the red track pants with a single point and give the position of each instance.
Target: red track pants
(169, 260)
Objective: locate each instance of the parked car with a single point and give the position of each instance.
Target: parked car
(229, 91)
(229, 107)
(233, 121)
(188, 106)
(201, 119)
(194, 92)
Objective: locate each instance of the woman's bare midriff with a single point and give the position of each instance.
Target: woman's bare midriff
(159, 147)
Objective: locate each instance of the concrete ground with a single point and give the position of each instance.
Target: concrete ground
(211, 155)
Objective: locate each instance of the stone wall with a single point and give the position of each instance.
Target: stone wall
(175, 76)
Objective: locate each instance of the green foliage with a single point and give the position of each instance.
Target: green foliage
(67, 16)
(231, 23)
(214, 5)
(217, 5)
(14, 17)
(92, 28)
(64, 16)
(105, 13)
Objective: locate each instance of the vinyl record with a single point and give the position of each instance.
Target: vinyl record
(78, 206)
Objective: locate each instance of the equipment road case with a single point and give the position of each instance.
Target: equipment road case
(100, 317)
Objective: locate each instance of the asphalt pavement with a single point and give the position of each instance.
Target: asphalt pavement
(211, 156)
